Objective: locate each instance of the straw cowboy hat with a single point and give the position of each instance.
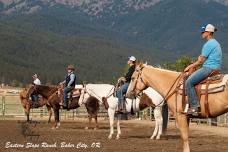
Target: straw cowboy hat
(70, 67)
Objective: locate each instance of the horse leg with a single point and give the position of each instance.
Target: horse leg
(160, 123)
(157, 116)
(57, 123)
(111, 114)
(184, 128)
(156, 124)
(27, 111)
(118, 129)
(90, 119)
(96, 124)
(50, 113)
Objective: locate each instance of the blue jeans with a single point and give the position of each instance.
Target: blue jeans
(66, 91)
(193, 80)
(120, 93)
(34, 97)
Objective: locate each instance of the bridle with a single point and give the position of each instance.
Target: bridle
(168, 94)
(139, 77)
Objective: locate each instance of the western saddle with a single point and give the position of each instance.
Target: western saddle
(74, 93)
(212, 84)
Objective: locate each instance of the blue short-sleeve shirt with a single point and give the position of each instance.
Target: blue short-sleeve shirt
(213, 53)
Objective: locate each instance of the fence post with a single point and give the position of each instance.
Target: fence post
(3, 106)
(225, 119)
(150, 113)
(41, 112)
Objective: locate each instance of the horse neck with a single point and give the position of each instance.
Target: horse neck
(46, 91)
(160, 80)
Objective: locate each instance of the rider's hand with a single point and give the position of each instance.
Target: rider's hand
(121, 79)
(187, 69)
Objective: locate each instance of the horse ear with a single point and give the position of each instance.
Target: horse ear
(139, 63)
(145, 63)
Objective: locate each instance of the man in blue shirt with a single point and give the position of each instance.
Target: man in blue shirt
(69, 83)
(210, 59)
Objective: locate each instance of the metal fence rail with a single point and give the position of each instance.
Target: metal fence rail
(10, 107)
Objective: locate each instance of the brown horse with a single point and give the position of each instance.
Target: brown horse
(54, 99)
(27, 104)
(164, 81)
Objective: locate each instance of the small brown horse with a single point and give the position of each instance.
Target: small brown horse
(27, 104)
(54, 99)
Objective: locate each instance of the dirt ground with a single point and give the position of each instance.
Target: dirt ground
(135, 137)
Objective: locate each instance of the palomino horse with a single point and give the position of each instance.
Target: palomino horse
(54, 99)
(149, 98)
(27, 104)
(165, 82)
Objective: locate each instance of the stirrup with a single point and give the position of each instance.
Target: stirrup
(193, 112)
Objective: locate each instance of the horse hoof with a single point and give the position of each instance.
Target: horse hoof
(52, 128)
(117, 138)
(110, 137)
(95, 128)
(158, 138)
(86, 128)
(152, 137)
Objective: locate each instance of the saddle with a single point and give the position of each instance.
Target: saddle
(214, 83)
(74, 93)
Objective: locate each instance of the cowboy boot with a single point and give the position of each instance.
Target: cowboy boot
(119, 107)
(124, 110)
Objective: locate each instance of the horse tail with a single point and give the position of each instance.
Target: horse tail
(105, 102)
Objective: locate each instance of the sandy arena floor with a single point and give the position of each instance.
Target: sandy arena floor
(135, 137)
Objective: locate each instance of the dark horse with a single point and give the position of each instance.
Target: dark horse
(27, 104)
(54, 99)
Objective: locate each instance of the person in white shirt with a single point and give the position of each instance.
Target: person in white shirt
(36, 81)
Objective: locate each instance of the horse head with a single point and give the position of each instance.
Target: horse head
(137, 84)
(23, 96)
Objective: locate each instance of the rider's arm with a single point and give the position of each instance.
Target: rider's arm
(129, 73)
(63, 82)
(200, 61)
(72, 77)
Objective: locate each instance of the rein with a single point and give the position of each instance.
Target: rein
(167, 96)
(109, 93)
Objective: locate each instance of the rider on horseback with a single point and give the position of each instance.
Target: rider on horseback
(125, 80)
(69, 83)
(210, 59)
(36, 81)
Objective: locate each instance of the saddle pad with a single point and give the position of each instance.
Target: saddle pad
(214, 86)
